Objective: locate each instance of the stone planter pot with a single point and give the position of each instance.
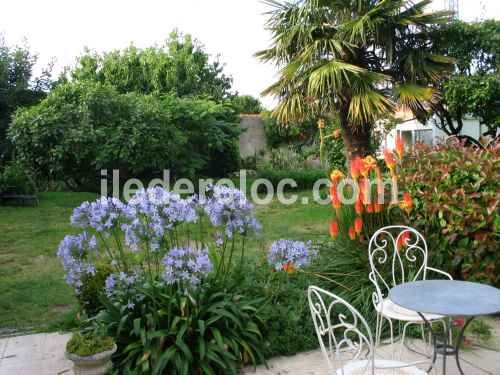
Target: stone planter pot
(97, 364)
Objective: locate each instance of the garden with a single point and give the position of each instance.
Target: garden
(209, 281)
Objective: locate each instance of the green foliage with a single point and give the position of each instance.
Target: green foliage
(287, 158)
(476, 95)
(208, 331)
(89, 296)
(18, 87)
(303, 140)
(180, 66)
(474, 87)
(305, 179)
(246, 104)
(84, 127)
(473, 45)
(15, 179)
(340, 266)
(86, 344)
(455, 190)
(278, 134)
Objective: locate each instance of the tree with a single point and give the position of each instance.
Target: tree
(474, 87)
(246, 104)
(18, 87)
(353, 59)
(180, 66)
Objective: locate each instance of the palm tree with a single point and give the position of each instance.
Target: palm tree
(353, 59)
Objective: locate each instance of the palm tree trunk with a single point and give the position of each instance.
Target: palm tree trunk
(356, 141)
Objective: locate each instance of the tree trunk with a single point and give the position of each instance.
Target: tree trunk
(356, 141)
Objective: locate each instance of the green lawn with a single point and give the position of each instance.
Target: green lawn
(33, 294)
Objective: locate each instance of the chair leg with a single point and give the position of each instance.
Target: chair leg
(378, 329)
(402, 343)
(392, 336)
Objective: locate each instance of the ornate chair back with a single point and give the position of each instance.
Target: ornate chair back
(342, 331)
(397, 254)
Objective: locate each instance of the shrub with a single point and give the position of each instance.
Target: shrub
(456, 191)
(84, 127)
(89, 294)
(286, 158)
(16, 177)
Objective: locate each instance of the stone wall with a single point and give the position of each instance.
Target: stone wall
(252, 138)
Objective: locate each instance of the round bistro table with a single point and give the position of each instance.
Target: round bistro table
(449, 298)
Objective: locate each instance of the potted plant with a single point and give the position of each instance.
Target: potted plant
(90, 353)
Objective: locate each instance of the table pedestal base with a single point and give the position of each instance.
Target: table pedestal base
(446, 348)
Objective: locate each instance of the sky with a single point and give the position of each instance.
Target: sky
(233, 29)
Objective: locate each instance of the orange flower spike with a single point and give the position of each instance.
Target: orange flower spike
(370, 163)
(289, 268)
(402, 240)
(334, 228)
(407, 203)
(363, 167)
(400, 146)
(352, 233)
(358, 206)
(362, 185)
(378, 207)
(336, 203)
(358, 225)
(336, 176)
(337, 133)
(356, 166)
(321, 123)
(390, 161)
(370, 208)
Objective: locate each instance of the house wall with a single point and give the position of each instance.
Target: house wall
(413, 130)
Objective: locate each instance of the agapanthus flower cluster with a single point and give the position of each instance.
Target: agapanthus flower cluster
(154, 212)
(122, 286)
(288, 255)
(229, 208)
(74, 252)
(102, 215)
(186, 266)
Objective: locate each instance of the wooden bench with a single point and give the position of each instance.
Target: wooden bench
(9, 195)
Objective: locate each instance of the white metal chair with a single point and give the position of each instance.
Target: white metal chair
(398, 254)
(346, 339)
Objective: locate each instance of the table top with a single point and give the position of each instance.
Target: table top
(447, 297)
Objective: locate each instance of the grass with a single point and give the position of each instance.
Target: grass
(33, 293)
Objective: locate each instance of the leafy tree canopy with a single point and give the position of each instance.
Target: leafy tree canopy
(246, 104)
(180, 66)
(18, 87)
(474, 88)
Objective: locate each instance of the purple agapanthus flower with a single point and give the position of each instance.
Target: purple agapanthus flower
(102, 215)
(153, 212)
(74, 252)
(229, 208)
(285, 253)
(186, 266)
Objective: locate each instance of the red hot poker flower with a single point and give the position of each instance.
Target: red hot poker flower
(358, 225)
(334, 228)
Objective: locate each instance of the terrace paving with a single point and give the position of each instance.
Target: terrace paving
(43, 354)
